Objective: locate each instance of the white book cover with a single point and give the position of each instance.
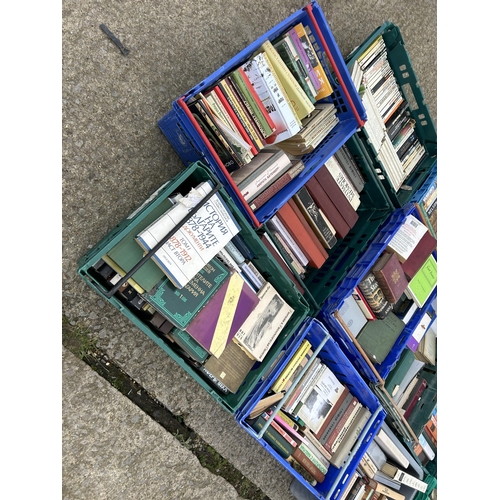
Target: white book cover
(262, 327)
(260, 75)
(337, 172)
(352, 315)
(390, 449)
(277, 225)
(204, 234)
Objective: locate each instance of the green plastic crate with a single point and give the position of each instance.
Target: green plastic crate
(400, 62)
(270, 270)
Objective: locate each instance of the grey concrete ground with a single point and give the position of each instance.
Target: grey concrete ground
(113, 157)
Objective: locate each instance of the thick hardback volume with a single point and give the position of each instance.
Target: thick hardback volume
(198, 240)
(323, 202)
(423, 283)
(217, 323)
(396, 375)
(419, 255)
(265, 323)
(414, 397)
(336, 195)
(188, 345)
(312, 457)
(308, 464)
(343, 181)
(291, 366)
(350, 438)
(315, 218)
(313, 440)
(390, 449)
(325, 89)
(264, 121)
(276, 224)
(180, 306)
(277, 185)
(260, 162)
(231, 367)
(404, 478)
(352, 315)
(298, 98)
(373, 294)
(390, 276)
(378, 337)
(279, 259)
(270, 93)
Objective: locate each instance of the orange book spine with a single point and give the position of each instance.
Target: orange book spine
(301, 236)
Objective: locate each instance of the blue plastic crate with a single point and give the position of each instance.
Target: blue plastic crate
(407, 80)
(190, 143)
(346, 288)
(330, 353)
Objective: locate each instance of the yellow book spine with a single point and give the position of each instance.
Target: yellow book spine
(282, 89)
(290, 367)
(326, 88)
(298, 98)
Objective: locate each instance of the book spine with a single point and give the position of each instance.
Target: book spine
(312, 457)
(384, 286)
(293, 398)
(297, 43)
(281, 431)
(334, 415)
(338, 422)
(314, 441)
(276, 186)
(308, 465)
(290, 367)
(373, 294)
(276, 224)
(335, 438)
(274, 438)
(350, 167)
(343, 182)
(260, 111)
(363, 304)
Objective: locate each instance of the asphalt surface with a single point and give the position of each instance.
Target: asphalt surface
(113, 157)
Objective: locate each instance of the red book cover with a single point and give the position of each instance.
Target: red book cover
(390, 276)
(281, 263)
(321, 199)
(268, 119)
(337, 196)
(235, 119)
(308, 227)
(303, 460)
(341, 424)
(217, 323)
(331, 413)
(420, 254)
(299, 233)
(413, 399)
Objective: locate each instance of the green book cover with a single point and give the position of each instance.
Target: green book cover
(180, 305)
(273, 437)
(377, 337)
(396, 375)
(424, 282)
(127, 252)
(190, 346)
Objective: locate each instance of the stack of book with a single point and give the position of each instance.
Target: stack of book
(319, 420)
(427, 208)
(271, 100)
(389, 127)
(200, 290)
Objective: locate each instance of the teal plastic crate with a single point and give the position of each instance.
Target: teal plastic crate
(407, 80)
(270, 270)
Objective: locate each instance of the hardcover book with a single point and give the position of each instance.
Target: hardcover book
(343, 181)
(276, 224)
(396, 375)
(390, 276)
(334, 415)
(363, 304)
(273, 436)
(270, 92)
(347, 162)
(231, 367)
(308, 464)
(424, 282)
(406, 238)
(387, 445)
(264, 324)
(217, 323)
(336, 195)
(335, 439)
(373, 294)
(315, 217)
(199, 239)
(419, 255)
(378, 337)
(180, 306)
(323, 202)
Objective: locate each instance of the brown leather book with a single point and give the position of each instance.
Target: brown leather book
(390, 276)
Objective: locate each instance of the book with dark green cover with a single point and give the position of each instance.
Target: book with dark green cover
(126, 253)
(378, 336)
(272, 436)
(180, 305)
(189, 345)
(396, 375)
